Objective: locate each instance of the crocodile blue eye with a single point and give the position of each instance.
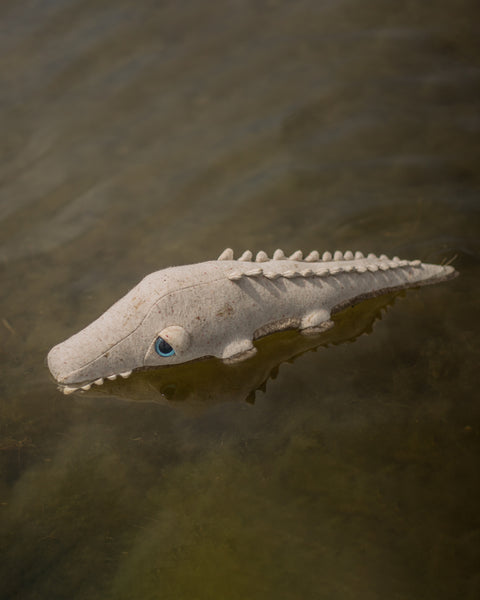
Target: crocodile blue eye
(163, 348)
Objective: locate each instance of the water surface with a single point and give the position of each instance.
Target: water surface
(140, 135)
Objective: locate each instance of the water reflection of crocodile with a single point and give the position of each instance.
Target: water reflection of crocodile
(196, 385)
(219, 308)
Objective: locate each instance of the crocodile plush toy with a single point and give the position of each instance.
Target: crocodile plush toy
(218, 308)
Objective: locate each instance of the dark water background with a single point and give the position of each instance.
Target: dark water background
(137, 135)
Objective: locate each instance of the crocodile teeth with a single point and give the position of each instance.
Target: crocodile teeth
(69, 390)
(279, 255)
(98, 381)
(125, 374)
(86, 387)
(313, 257)
(297, 255)
(112, 377)
(261, 257)
(227, 254)
(327, 256)
(246, 256)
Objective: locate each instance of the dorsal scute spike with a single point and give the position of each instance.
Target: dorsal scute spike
(271, 275)
(279, 255)
(359, 255)
(289, 274)
(384, 266)
(261, 256)
(335, 270)
(306, 273)
(327, 256)
(323, 273)
(313, 257)
(372, 267)
(338, 255)
(235, 275)
(383, 257)
(227, 254)
(246, 256)
(348, 255)
(372, 256)
(297, 255)
(254, 272)
(416, 262)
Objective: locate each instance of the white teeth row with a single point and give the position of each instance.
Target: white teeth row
(314, 256)
(68, 389)
(385, 265)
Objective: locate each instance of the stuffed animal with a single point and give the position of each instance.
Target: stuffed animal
(218, 308)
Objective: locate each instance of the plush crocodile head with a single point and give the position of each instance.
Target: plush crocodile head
(134, 333)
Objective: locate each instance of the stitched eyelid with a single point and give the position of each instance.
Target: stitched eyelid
(175, 336)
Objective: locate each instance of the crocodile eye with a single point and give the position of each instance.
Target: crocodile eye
(163, 348)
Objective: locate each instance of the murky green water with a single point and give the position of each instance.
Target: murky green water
(140, 135)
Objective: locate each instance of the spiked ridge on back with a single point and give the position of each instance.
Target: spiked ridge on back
(339, 262)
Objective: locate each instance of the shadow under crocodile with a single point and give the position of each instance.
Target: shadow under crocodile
(196, 385)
